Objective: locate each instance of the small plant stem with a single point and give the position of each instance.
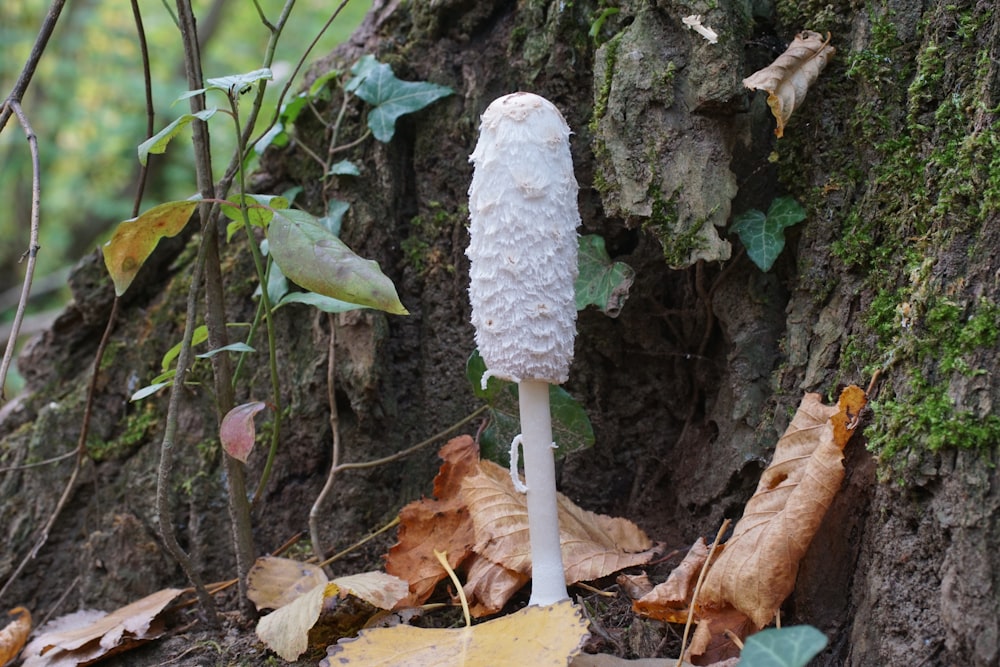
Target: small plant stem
(265, 300)
(331, 399)
(548, 576)
(163, 509)
(364, 540)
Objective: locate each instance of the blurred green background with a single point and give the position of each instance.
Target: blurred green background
(87, 107)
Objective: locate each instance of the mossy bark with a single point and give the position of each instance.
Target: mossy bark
(894, 156)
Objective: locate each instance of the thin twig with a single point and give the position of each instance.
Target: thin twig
(420, 445)
(361, 542)
(33, 246)
(697, 588)
(140, 32)
(28, 71)
(81, 452)
(331, 399)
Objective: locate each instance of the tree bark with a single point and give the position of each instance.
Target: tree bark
(893, 154)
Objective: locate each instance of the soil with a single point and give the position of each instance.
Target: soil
(687, 389)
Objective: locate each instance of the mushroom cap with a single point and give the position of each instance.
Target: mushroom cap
(523, 248)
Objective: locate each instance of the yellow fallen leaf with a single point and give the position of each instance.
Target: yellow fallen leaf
(84, 637)
(537, 636)
(14, 634)
(286, 630)
(788, 78)
(757, 569)
(274, 582)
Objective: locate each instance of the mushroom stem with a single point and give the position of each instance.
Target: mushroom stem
(548, 577)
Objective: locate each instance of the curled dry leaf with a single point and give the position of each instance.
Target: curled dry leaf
(757, 570)
(788, 78)
(14, 634)
(668, 601)
(593, 545)
(286, 630)
(237, 431)
(441, 523)
(274, 582)
(482, 523)
(86, 636)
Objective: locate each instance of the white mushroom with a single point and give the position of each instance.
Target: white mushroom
(523, 251)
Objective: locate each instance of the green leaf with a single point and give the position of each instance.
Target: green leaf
(324, 303)
(199, 336)
(158, 142)
(232, 347)
(319, 85)
(239, 81)
(601, 282)
(148, 391)
(258, 211)
(793, 646)
(311, 256)
(134, 240)
(334, 218)
(571, 428)
(390, 98)
(344, 168)
(764, 235)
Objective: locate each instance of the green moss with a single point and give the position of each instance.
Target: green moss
(135, 429)
(428, 233)
(604, 93)
(917, 116)
(930, 345)
(664, 223)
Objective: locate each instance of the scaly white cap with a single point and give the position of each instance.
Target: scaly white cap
(523, 249)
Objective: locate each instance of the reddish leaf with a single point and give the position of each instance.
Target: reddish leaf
(237, 431)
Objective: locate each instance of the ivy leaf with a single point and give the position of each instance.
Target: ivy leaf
(134, 239)
(311, 256)
(335, 212)
(237, 431)
(375, 83)
(571, 427)
(793, 646)
(344, 168)
(233, 83)
(601, 282)
(764, 235)
(158, 142)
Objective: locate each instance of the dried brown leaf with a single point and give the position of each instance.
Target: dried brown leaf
(675, 592)
(286, 630)
(443, 524)
(757, 570)
(274, 582)
(788, 78)
(489, 586)
(84, 637)
(14, 634)
(593, 545)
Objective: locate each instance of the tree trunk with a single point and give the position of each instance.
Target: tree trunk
(894, 157)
